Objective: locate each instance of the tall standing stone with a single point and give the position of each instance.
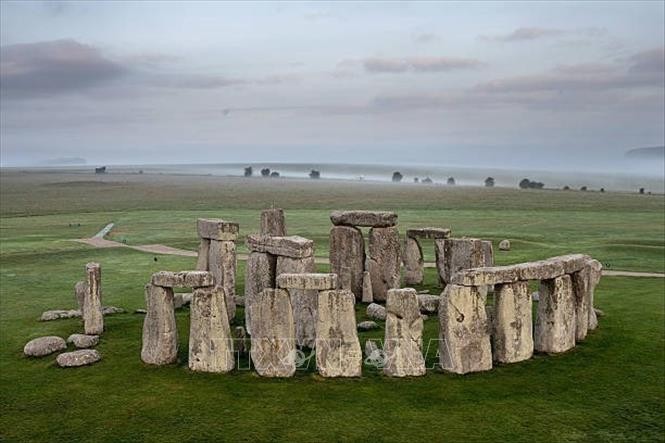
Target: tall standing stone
(555, 328)
(413, 262)
(404, 334)
(488, 253)
(464, 339)
(384, 261)
(222, 265)
(455, 254)
(210, 343)
(303, 301)
(160, 335)
(259, 275)
(272, 222)
(202, 257)
(273, 336)
(347, 258)
(368, 297)
(93, 317)
(595, 272)
(80, 293)
(338, 352)
(512, 323)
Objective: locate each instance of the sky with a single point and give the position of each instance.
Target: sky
(568, 85)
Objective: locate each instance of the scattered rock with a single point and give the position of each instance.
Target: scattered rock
(504, 245)
(42, 346)
(83, 341)
(140, 311)
(429, 304)
(110, 310)
(367, 325)
(59, 313)
(181, 299)
(74, 359)
(376, 311)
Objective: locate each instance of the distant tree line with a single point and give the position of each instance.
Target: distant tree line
(528, 184)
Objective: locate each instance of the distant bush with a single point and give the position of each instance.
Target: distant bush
(451, 181)
(602, 189)
(314, 174)
(565, 188)
(416, 179)
(427, 180)
(249, 171)
(528, 184)
(641, 190)
(265, 172)
(583, 188)
(274, 174)
(397, 176)
(489, 182)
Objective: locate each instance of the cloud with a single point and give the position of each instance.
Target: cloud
(418, 64)
(426, 37)
(652, 60)
(525, 34)
(53, 67)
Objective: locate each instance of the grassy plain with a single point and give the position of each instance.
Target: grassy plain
(611, 387)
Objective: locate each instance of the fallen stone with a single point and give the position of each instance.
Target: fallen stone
(57, 314)
(368, 296)
(338, 352)
(428, 233)
(160, 335)
(413, 262)
(217, 229)
(183, 279)
(347, 258)
(210, 344)
(42, 346)
(273, 223)
(404, 335)
(319, 282)
(293, 246)
(303, 301)
(80, 290)
(429, 304)
(110, 310)
(222, 266)
(367, 325)
(83, 341)
(464, 339)
(93, 316)
(504, 245)
(374, 219)
(555, 327)
(376, 311)
(140, 311)
(259, 275)
(273, 334)
(75, 359)
(202, 256)
(384, 261)
(512, 323)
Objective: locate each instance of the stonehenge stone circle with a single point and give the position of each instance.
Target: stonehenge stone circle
(93, 317)
(384, 261)
(555, 327)
(210, 343)
(372, 219)
(403, 339)
(512, 323)
(82, 357)
(303, 301)
(347, 257)
(42, 346)
(273, 223)
(338, 352)
(273, 334)
(367, 325)
(160, 335)
(83, 341)
(429, 304)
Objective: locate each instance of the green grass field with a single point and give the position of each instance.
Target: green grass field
(611, 387)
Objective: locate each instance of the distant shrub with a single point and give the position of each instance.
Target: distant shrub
(249, 171)
(602, 189)
(489, 182)
(641, 190)
(565, 188)
(427, 180)
(451, 181)
(265, 172)
(274, 174)
(314, 174)
(528, 184)
(397, 176)
(583, 188)
(416, 179)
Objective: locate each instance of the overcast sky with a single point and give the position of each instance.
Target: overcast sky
(517, 84)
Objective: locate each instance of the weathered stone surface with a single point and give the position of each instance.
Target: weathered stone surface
(240, 300)
(217, 229)
(374, 219)
(512, 323)
(384, 261)
(57, 314)
(240, 344)
(75, 359)
(493, 275)
(464, 339)
(110, 310)
(368, 296)
(210, 343)
(595, 272)
(404, 335)
(259, 275)
(202, 257)
(429, 304)
(140, 311)
(428, 233)
(273, 223)
(222, 266)
(42, 346)
(160, 335)
(456, 254)
(413, 262)
(303, 301)
(273, 334)
(181, 299)
(183, 279)
(80, 291)
(338, 352)
(573, 262)
(580, 285)
(488, 253)
(317, 281)
(504, 245)
(82, 341)
(347, 258)
(552, 267)
(292, 246)
(367, 325)
(93, 317)
(555, 327)
(376, 311)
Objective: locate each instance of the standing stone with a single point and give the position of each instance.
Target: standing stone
(455, 254)
(555, 323)
(595, 272)
(160, 335)
(93, 317)
(464, 339)
(347, 258)
(384, 261)
(368, 297)
(210, 344)
(404, 335)
(580, 282)
(272, 222)
(259, 275)
(222, 265)
(80, 291)
(512, 323)
(273, 334)
(338, 352)
(488, 253)
(413, 262)
(204, 252)
(303, 301)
